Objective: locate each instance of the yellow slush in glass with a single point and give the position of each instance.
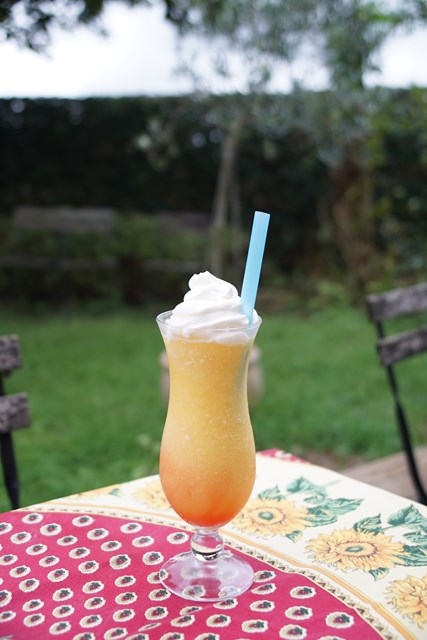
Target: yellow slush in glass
(207, 457)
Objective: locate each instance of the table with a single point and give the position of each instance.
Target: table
(334, 559)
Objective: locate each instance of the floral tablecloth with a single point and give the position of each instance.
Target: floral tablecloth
(334, 559)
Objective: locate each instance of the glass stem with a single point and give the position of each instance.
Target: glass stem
(207, 544)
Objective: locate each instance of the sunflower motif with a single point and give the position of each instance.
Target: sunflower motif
(409, 597)
(351, 550)
(152, 494)
(267, 518)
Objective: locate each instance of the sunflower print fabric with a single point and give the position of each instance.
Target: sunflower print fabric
(335, 559)
(366, 539)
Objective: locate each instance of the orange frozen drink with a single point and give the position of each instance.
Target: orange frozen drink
(207, 459)
(207, 455)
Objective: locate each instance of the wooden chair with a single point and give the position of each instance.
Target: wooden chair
(395, 348)
(14, 414)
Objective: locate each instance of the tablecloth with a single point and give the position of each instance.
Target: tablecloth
(334, 559)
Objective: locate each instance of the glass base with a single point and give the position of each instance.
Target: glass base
(193, 578)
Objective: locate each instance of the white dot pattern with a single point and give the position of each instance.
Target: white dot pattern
(96, 577)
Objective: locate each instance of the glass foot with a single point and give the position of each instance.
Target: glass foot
(192, 578)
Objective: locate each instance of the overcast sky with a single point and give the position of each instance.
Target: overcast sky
(139, 58)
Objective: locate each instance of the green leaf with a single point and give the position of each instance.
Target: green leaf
(414, 556)
(409, 516)
(417, 537)
(328, 510)
(271, 494)
(338, 506)
(378, 574)
(294, 536)
(369, 524)
(302, 484)
(315, 498)
(319, 518)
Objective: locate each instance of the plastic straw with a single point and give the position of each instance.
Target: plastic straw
(254, 262)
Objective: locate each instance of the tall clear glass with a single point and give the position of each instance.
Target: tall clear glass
(207, 456)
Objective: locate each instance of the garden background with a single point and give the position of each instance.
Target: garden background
(348, 217)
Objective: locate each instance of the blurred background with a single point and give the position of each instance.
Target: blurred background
(136, 140)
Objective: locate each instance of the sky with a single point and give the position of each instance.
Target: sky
(139, 57)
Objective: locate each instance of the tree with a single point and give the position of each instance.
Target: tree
(224, 32)
(29, 23)
(353, 32)
(346, 36)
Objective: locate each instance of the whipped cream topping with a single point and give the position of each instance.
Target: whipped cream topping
(211, 304)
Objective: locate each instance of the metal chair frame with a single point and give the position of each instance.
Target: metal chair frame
(14, 414)
(398, 347)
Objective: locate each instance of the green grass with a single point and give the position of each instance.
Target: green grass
(97, 413)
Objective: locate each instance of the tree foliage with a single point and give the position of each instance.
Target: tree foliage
(345, 37)
(107, 152)
(345, 34)
(29, 23)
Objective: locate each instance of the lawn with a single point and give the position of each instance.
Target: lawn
(97, 412)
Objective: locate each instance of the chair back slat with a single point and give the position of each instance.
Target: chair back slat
(394, 348)
(404, 345)
(391, 304)
(14, 412)
(10, 354)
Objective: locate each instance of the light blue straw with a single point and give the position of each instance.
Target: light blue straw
(254, 262)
